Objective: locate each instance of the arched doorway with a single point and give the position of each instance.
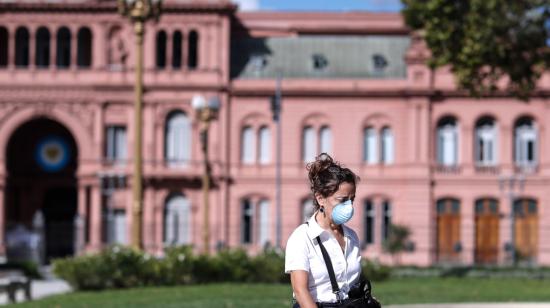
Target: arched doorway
(526, 229)
(487, 227)
(448, 230)
(41, 160)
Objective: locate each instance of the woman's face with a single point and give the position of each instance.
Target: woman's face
(345, 192)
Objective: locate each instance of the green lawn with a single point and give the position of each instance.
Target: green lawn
(396, 291)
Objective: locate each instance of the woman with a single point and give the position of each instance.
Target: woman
(333, 189)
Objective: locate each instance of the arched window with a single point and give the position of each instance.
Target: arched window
(192, 53)
(525, 142)
(485, 142)
(307, 209)
(370, 144)
(3, 47)
(177, 221)
(447, 142)
(22, 47)
(264, 237)
(177, 40)
(63, 48)
(308, 144)
(178, 139)
(42, 55)
(247, 221)
(161, 49)
(247, 145)
(264, 136)
(325, 137)
(387, 147)
(386, 219)
(84, 48)
(369, 220)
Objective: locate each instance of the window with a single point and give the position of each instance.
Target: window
(247, 145)
(176, 49)
(386, 219)
(379, 63)
(264, 149)
(192, 52)
(326, 139)
(178, 139)
(308, 144)
(369, 218)
(387, 151)
(485, 142)
(119, 227)
(370, 144)
(447, 142)
(63, 56)
(525, 143)
(115, 147)
(247, 221)
(319, 62)
(84, 48)
(3, 47)
(161, 49)
(307, 210)
(264, 223)
(177, 221)
(42, 55)
(22, 47)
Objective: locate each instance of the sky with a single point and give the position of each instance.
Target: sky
(320, 5)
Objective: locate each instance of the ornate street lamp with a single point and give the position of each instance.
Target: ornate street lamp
(206, 111)
(508, 184)
(138, 11)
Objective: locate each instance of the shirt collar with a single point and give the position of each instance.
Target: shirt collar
(315, 230)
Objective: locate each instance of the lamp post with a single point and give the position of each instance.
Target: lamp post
(206, 111)
(138, 11)
(507, 184)
(276, 110)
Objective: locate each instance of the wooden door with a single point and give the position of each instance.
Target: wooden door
(526, 229)
(448, 230)
(487, 235)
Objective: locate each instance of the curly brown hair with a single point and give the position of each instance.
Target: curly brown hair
(326, 175)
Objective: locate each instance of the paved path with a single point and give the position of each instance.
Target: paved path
(475, 305)
(40, 289)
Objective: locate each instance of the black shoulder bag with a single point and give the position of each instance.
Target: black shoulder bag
(360, 297)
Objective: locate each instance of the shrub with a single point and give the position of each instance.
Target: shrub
(269, 266)
(375, 271)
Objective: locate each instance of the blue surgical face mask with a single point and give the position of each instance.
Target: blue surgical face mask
(342, 212)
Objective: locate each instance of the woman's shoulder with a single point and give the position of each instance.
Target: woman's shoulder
(298, 234)
(351, 233)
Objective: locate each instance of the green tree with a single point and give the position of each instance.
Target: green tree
(397, 241)
(484, 41)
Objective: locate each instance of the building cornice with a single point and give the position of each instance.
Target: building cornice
(110, 6)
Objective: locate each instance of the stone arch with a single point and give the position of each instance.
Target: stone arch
(73, 125)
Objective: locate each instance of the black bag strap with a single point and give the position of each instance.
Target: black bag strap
(330, 269)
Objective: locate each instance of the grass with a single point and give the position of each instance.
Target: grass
(395, 291)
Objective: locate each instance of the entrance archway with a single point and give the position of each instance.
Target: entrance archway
(487, 227)
(41, 160)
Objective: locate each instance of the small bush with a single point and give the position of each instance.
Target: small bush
(375, 271)
(29, 268)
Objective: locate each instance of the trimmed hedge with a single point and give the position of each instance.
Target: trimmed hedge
(123, 267)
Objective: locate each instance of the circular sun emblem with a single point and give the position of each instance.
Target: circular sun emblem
(52, 154)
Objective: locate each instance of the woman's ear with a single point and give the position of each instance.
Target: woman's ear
(320, 199)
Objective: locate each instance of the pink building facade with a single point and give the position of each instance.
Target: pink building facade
(449, 167)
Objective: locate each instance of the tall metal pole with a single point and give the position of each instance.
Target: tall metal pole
(137, 179)
(138, 11)
(206, 181)
(277, 118)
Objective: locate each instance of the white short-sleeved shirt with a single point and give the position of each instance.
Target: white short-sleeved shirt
(303, 253)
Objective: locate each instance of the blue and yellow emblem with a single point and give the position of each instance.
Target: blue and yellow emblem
(52, 154)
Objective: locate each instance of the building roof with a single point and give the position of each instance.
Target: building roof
(320, 56)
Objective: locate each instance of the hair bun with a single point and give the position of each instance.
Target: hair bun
(321, 163)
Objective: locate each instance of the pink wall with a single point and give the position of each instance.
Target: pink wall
(86, 100)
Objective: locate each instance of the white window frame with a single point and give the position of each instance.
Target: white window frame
(525, 134)
(309, 144)
(264, 145)
(486, 144)
(177, 139)
(177, 221)
(387, 146)
(248, 147)
(447, 144)
(370, 154)
(116, 147)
